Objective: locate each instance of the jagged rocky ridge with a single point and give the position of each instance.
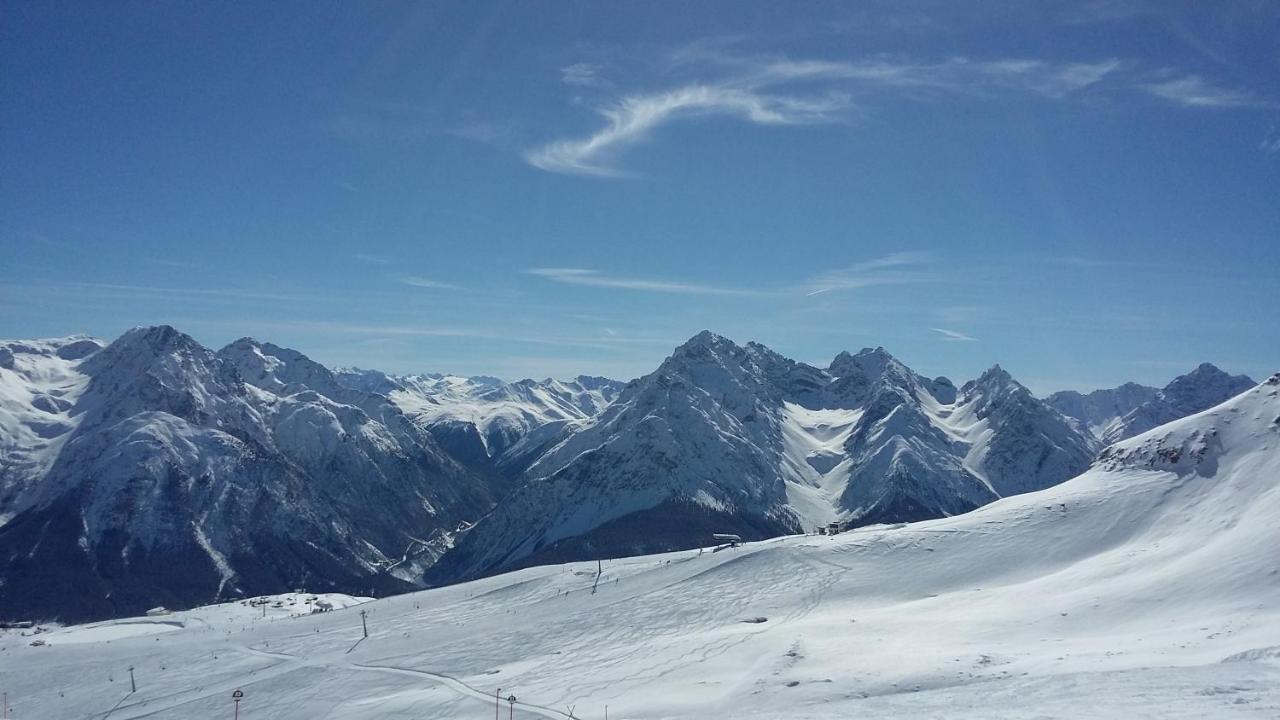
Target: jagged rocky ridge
(729, 438)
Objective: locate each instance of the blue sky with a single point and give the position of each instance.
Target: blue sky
(1086, 193)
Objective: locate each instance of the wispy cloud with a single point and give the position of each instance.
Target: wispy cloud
(156, 291)
(953, 76)
(372, 259)
(953, 335)
(594, 278)
(180, 264)
(895, 269)
(631, 119)
(1194, 91)
(421, 282)
(583, 75)
(784, 91)
(1271, 143)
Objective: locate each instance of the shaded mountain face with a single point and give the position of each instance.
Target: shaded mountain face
(1129, 410)
(490, 425)
(729, 438)
(159, 472)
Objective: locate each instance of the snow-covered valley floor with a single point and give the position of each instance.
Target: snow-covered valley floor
(1147, 587)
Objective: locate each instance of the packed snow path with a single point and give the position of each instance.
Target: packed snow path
(1147, 587)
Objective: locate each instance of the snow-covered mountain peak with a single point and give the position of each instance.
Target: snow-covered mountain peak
(994, 379)
(1193, 443)
(153, 340)
(283, 371)
(1206, 384)
(730, 436)
(705, 339)
(1132, 409)
(168, 472)
(160, 369)
(870, 363)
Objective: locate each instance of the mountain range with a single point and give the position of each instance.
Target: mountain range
(153, 470)
(1120, 413)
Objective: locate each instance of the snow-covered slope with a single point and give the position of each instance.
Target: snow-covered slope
(164, 473)
(1147, 587)
(486, 422)
(1131, 409)
(39, 386)
(740, 439)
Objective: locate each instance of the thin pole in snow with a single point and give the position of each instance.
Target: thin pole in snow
(363, 623)
(496, 696)
(133, 686)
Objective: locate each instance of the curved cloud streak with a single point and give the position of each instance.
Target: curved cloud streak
(632, 119)
(593, 278)
(751, 92)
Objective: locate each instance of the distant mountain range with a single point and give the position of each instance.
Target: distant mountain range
(489, 424)
(156, 471)
(1132, 409)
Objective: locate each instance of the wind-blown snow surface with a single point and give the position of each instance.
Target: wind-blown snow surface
(1148, 587)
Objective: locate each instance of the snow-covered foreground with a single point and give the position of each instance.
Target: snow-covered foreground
(1147, 587)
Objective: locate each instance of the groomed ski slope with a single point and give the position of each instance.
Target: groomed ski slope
(1148, 587)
